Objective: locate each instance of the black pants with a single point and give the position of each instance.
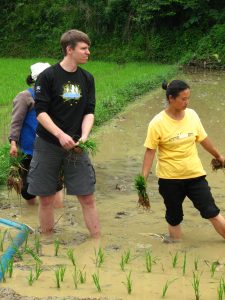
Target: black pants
(197, 190)
(25, 164)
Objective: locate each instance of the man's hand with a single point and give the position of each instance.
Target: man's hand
(83, 139)
(66, 141)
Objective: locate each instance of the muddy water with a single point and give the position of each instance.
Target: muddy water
(125, 227)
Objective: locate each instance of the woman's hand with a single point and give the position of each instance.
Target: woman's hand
(221, 159)
(13, 149)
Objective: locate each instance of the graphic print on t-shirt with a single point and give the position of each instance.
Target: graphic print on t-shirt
(71, 93)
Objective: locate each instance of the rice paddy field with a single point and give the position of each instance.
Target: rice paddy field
(133, 260)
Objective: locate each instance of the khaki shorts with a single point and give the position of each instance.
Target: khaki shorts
(47, 163)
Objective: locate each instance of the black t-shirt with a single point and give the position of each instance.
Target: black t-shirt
(66, 97)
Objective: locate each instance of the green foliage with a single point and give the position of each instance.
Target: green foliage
(120, 30)
(4, 163)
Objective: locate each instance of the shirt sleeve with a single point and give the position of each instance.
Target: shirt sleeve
(201, 133)
(90, 107)
(42, 93)
(22, 103)
(153, 136)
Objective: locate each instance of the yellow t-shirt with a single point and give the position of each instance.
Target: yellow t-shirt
(176, 144)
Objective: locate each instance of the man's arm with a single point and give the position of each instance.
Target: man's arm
(86, 126)
(65, 140)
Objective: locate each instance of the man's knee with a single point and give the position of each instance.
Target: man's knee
(46, 201)
(87, 200)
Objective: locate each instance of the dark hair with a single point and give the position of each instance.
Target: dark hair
(30, 80)
(71, 38)
(174, 87)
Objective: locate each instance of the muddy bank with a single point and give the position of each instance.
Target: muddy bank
(9, 294)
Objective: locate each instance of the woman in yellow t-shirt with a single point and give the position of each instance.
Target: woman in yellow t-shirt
(174, 133)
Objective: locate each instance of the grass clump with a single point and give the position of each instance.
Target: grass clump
(88, 146)
(141, 187)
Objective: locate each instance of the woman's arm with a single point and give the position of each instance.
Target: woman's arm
(208, 146)
(147, 162)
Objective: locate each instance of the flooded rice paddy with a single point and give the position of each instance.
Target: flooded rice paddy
(135, 263)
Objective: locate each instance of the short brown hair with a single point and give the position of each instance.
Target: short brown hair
(71, 38)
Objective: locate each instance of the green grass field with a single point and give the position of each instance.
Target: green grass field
(115, 85)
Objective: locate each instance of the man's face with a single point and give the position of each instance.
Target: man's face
(80, 53)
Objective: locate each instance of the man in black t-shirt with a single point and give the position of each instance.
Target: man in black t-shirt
(65, 104)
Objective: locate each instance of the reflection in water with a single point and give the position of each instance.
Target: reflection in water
(124, 226)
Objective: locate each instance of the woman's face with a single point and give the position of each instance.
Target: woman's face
(181, 101)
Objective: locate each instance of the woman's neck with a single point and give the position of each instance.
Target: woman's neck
(175, 114)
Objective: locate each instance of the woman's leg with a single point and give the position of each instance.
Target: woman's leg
(175, 232)
(219, 224)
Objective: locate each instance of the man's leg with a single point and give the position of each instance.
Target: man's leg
(90, 214)
(58, 200)
(219, 224)
(46, 213)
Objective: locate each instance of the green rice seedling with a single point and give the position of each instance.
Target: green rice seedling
(3, 272)
(213, 268)
(96, 280)
(2, 239)
(75, 277)
(57, 277)
(10, 267)
(184, 264)
(223, 284)
(141, 187)
(28, 250)
(31, 278)
(18, 253)
(127, 256)
(82, 276)
(71, 256)
(56, 245)
(89, 146)
(174, 259)
(37, 244)
(62, 271)
(99, 257)
(26, 239)
(196, 264)
(122, 263)
(166, 286)
(220, 289)
(128, 283)
(196, 284)
(38, 270)
(148, 261)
